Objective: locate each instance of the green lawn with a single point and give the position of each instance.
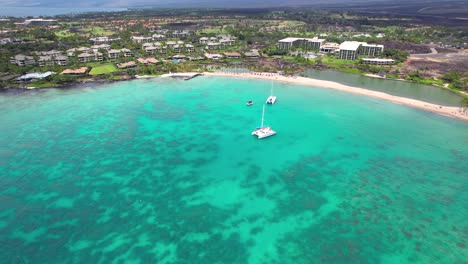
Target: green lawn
(98, 31)
(333, 61)
(291, 22)
(103, 69)
(213, 31)
(64, 34)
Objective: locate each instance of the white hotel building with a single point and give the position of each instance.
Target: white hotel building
(306, 43)
(349, 50)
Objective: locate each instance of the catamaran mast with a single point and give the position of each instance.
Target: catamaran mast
(263, 115)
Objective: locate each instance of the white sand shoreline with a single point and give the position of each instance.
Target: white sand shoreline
(449, 111)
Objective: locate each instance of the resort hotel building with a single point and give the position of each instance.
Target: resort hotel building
(306, 43)
(349, 50)
(371, 50)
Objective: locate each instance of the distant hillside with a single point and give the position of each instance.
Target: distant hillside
(431, 8)
(444, 8)
(182, 3)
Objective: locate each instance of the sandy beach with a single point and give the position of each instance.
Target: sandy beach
(449, 111)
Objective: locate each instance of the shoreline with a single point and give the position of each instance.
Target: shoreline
(449, 111)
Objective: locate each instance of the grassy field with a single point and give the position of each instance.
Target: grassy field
(292, 23)
(103, 69)
(64, 34)
(333, 61)
(213, 31)
(98, 31)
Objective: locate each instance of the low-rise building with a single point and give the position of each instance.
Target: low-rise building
(103, 40)
(151, 50)
(113, 54)
(44, 58)
(5, 41)
(52, 60)
(203, 40)
(189, 48)
(171, 44)
(89, 57)
(116, 53)
(227, 42)
(214, 56)
(232, 55)
(23, 60)
(225, 36)
(147, 61)
(48, 53)
(138, 39)
(98, 56)
(85, 57)
(45, 61)
(84, 49)
(179, 57)
(126, 52)
(378, 61)
(61, 60)
(196, 58)
(180, 33)
(34, 76)
(159, 37)
(147, 45)
(39, 22)
(126, 65)
(100, 46)
(329, 47)
(213, 45)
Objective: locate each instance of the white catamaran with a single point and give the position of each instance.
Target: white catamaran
(271, 99)
(263, 131)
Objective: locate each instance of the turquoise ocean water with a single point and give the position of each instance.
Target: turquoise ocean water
(166, 171)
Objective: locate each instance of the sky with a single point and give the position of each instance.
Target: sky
(155, 3)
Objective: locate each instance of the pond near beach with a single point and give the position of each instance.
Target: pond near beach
(420, 92)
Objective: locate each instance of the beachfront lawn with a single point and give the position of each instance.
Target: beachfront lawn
(333, 61)
(103, 69)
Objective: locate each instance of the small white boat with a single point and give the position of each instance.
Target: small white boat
(271, 99)
(263, 131)
(249, 103)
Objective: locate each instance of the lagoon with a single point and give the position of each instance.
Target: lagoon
(416, 91)
(166, 171)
